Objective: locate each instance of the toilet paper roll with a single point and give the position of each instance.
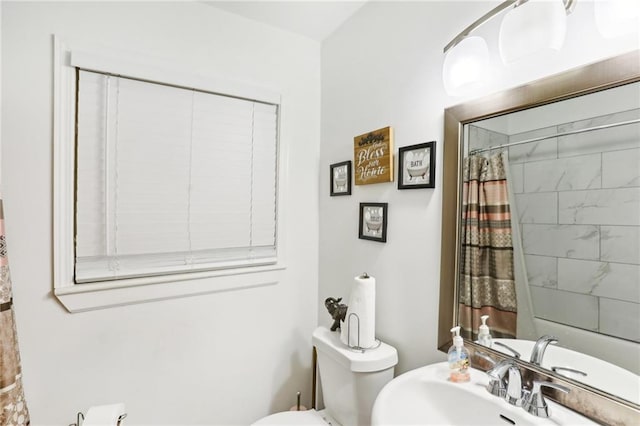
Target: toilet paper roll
(104, 415)
(362, 303)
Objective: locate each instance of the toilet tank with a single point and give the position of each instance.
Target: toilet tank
(351, 380)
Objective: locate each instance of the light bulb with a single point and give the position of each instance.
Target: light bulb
(532, 27)
(617, 17)
(465, 65)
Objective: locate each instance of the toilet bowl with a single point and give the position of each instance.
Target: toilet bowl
(350, 380)
(297, 418)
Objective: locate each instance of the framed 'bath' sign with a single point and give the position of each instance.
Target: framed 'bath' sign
(373, 157)
(416, 166)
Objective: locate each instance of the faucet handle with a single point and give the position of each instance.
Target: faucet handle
(514, 386)
(497, 384)
(507, 347)
(534, 402)
(564, 370)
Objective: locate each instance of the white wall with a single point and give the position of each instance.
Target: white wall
(225, 358)
(384, 68)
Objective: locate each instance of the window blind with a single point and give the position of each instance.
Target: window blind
(171, 180)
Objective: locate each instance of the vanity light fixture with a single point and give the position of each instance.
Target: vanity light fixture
(533, 26)
(528, 26)
(617, 17)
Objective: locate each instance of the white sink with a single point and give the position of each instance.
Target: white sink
(425, 396)
(599, 374)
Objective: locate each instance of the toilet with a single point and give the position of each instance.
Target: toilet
(350, 381)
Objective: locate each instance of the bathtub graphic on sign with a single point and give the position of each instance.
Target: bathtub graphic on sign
(373, 221)
(340, 179)
(417, 166)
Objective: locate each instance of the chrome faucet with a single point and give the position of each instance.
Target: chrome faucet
(534, 403)
(505, 381)
(540, 346)
(509, 388)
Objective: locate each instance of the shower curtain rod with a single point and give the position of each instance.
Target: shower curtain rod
(541, 138)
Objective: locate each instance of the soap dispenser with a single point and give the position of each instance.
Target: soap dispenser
(458, 358)
(484, 337)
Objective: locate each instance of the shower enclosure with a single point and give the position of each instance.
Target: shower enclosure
(574, 180)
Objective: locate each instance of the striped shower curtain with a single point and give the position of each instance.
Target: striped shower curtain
(487, 283)
(13, 408)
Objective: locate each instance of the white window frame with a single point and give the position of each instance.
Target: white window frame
(89, 296)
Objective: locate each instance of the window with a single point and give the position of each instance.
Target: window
(165, 182)
(170, 179)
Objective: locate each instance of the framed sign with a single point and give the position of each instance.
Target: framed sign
(416, 166)
(340, 175)
(373, 157)
(373, 222)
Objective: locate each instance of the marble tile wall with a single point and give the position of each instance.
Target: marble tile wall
(574, 309)
(578, 204)
(480, 138)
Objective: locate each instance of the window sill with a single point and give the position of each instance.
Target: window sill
(87, 297)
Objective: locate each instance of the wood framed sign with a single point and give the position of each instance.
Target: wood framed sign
(373, 157)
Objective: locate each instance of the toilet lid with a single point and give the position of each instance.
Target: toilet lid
(310, 417)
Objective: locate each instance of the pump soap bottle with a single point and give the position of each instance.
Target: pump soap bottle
(458, 357)
(484, 337)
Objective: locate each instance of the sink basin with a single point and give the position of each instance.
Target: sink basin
(599, 374)
(425, 396)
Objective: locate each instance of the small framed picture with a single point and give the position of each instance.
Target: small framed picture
(340, 174)
(373, 222)
(416, 166)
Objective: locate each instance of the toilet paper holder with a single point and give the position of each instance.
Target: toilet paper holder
(357, 347)
(80, 419)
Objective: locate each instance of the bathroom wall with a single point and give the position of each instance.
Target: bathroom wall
(224, 358)
(383, 67)
(229, 358)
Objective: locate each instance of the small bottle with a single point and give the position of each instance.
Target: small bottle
(484, 337)
(458, 358)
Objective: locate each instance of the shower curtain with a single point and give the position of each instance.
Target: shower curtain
(487, 283)
(13, 408)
